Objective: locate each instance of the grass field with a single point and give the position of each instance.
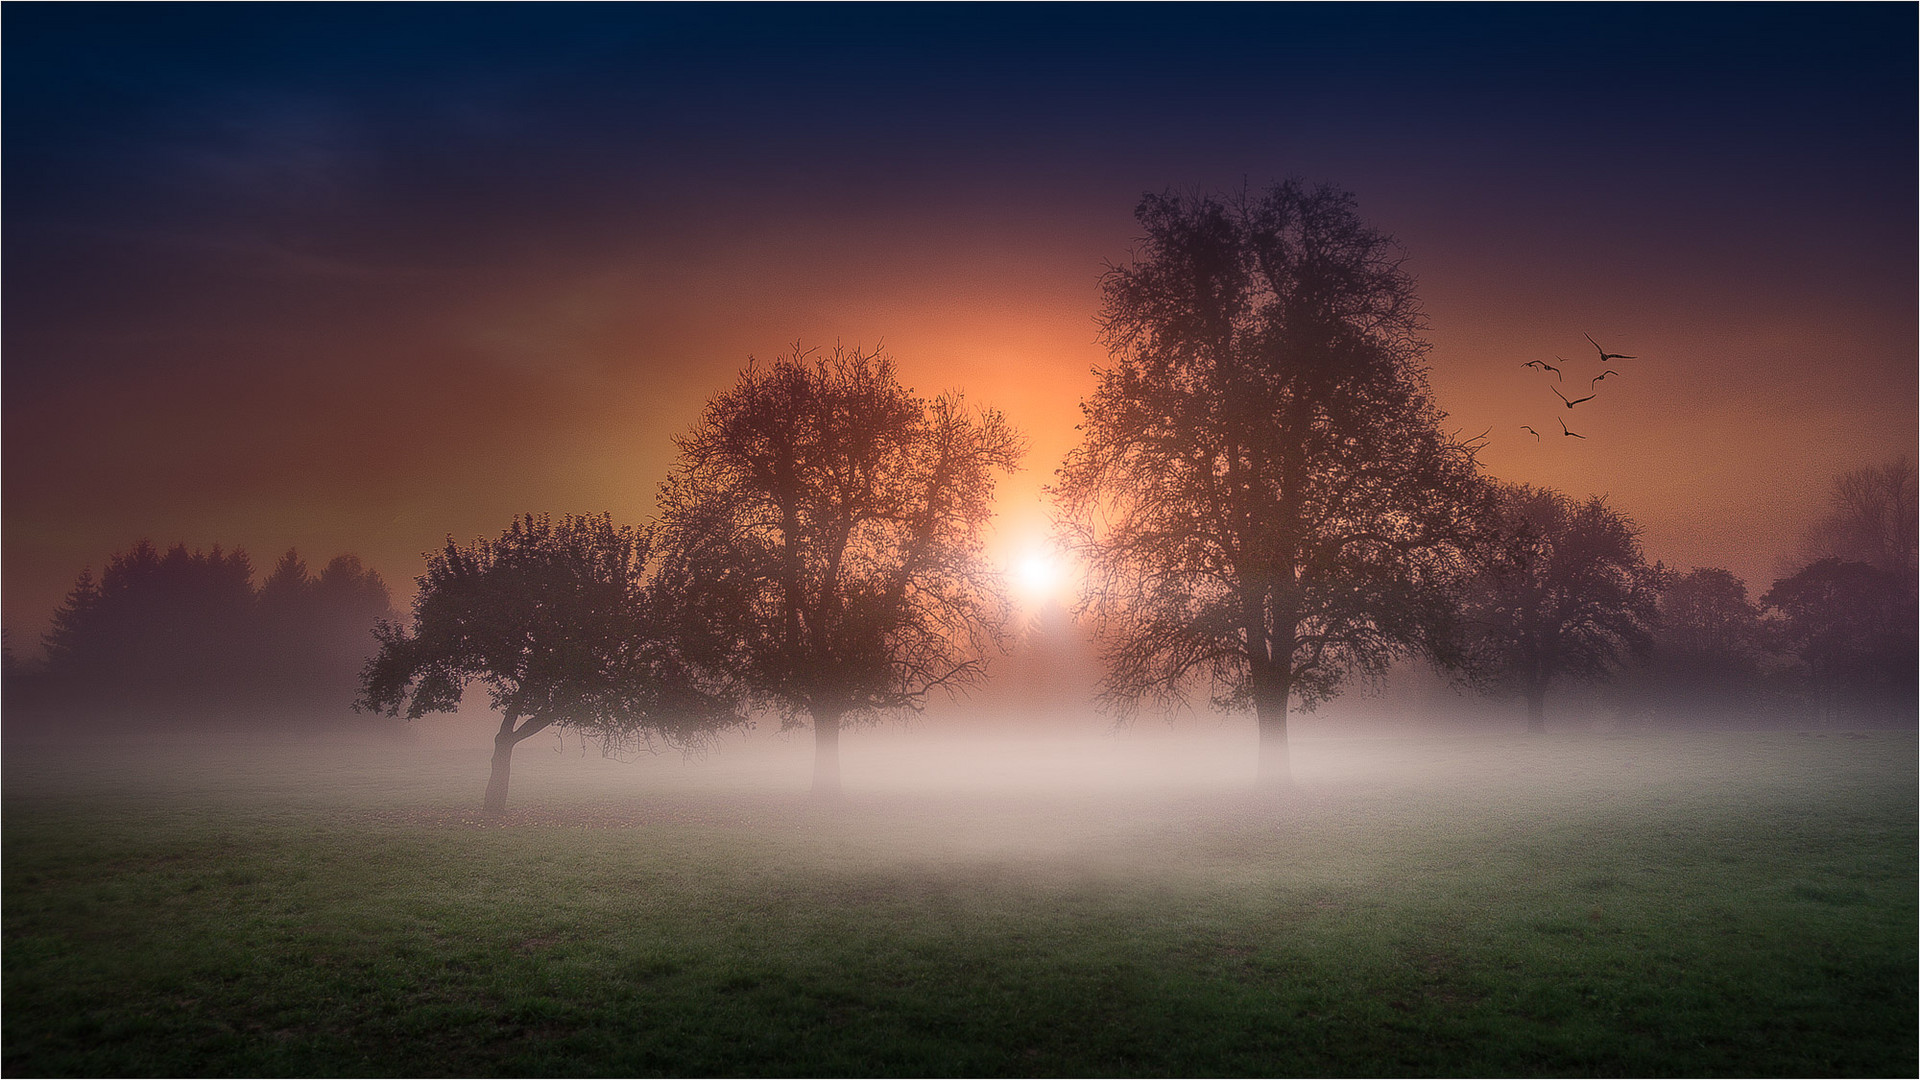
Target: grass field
(1685, 904)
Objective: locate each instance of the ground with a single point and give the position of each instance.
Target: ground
(1646, 904)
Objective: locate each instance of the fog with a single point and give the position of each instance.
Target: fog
(1070, 794)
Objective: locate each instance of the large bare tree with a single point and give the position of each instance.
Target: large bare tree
(1263, 493)
(833, 522)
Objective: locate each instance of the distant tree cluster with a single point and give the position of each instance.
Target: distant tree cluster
(185, 629)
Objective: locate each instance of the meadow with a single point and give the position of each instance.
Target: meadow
(1699, 903)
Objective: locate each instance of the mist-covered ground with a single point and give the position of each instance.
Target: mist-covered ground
(1006, 900)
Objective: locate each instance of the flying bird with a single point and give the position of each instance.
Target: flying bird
(1564, 431)
(1600, 376)
(1535, 434)
(1604, 354)
(1544, 366)
(1563, 397)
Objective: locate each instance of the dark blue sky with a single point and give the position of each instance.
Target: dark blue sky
(352, 277)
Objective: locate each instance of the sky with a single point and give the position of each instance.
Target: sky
(357, 278)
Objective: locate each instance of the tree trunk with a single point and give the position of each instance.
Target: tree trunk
(1537, 709)
(826, 753)
(1270, 700)
(503, 743)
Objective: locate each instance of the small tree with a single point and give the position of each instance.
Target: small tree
(1710, 651)
(1852, 624)
(1872, 518)
(559, 623)
(1561, 590)
(833, 521)
(1263, 494)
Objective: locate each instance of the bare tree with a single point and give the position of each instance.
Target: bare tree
(831, 522)
(559, 622)
(1873, 517)
(1561, 590)
(1263, 494)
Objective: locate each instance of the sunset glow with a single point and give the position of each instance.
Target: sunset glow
(277, 287)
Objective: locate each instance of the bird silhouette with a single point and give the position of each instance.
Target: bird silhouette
(1604, 354)
(1530, 431)
(1544, 366)
(1600, 376)
(1564, 431)
(1563, 397)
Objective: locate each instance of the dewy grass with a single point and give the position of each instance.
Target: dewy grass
(1709, 904)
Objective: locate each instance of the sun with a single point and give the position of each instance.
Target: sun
(1038, 576)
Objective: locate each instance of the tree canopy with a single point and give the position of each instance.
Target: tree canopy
(558, 620)
(1561, 590)
(1853, 626)
(1263, 492)
(833, 522)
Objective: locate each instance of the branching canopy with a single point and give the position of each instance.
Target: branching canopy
(833, 522)
(1263, 494)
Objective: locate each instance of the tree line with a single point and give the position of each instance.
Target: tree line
(184, 633)
(1265, 497)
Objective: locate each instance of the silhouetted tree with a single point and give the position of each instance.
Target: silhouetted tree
(557, 621)
(1561, 590)
(1263, 494)
(1852, 624)
(1711, 652)
(833, 522)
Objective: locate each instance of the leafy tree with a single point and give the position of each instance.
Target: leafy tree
(1263, 494)
(833, 521)
(1852, 624)
(1561, 590)
(1712, 651)
(558, 621)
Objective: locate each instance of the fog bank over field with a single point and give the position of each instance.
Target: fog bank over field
(1060, 795)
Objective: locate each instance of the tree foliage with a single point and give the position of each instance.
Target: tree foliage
(1853, 626)
(1561, 590)
(1263, 493)
(834, 522)
(557, 619)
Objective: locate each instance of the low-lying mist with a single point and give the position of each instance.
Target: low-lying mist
(1148, 798)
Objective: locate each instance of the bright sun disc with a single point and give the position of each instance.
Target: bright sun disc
(1037, 574)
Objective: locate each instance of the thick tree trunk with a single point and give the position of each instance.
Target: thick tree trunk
(826, 753)
(1537, 709)
(1270, 701)
(503, 743)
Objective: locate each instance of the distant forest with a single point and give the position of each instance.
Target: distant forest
(185, 636)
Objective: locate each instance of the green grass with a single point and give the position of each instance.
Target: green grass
(1707, 904)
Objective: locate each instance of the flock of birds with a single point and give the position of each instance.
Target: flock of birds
(1560, 375)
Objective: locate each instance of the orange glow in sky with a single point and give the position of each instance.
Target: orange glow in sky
(355, 303)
